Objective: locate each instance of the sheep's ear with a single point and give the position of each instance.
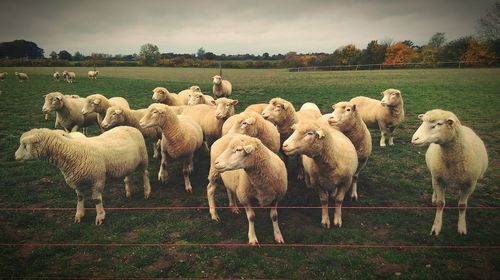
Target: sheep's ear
(58, 97)
(320, 134)
(333, 106)
(285, 106)
(353, 107)
(398, 93)
(420, 116)
(293, 127)
(249, 149)
(45, 95)
(382, 93)
(118, 111)
(234, 102)
(30, 140)
(213, 102)
(250, 120)
(450, 121)
(97, 101)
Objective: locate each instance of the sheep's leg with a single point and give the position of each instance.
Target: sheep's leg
(205, 147)
(80, 206)
(300, 167)
(147, 185)
(440, 202)
(186, 171)
(163, 173)
(383, 132)
(97, 199)
(278, 237)
(156, 148)
(462, 208)
(75, 128)
(339, 198)
(211, 202)
(128, 186)
(354, 188)
(390, 134)
(232, 201)
(252, 238)
(325, 218)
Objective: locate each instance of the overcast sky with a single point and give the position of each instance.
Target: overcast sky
(232, 27)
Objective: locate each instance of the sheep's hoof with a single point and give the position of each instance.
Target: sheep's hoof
(300, 177)
(279, 238)
(253, 241)
(147, 194)
(325, 224)
(462, 229)
(338, 222)
(215, 217)
(354, 197)
(99, 219)
(435, 230)
(78, 219)
(189, 189)
(235, 209)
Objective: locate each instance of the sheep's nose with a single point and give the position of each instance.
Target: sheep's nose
(265, 116)
(414, 140)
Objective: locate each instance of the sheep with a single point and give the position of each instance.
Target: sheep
(57, 121)
(99, 104)
(93, 74)
(259, 108)
(182, 136)
(211, 118)
(329, 159)
(87, 163)
(196, 98)
(68, 111)
(456, 157)
(162, 95)
(386, 114)
(21, 76)
(3, 75)
(253, 124)
(221, 88)
(56, 76)
(118, 116)
(184, 95)
(252, 172)
(70, 77)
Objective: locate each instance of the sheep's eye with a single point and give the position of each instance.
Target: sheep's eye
(310, 133)
(239, 149)
(348, 110)
(227, 106)
(114, 114)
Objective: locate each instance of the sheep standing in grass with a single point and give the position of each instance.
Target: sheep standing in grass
(70, 77)
(162, 95)
(182, 136)
(118, 116)
(221, 88)
(56, 76)
(93, 74)
(68, 111)
(253, 172)
(386, 114)
(87, 163)
(196, 98)
(3, 75)
(184, 95)
(330, 161)
(21, 76)
(345, 118)
(98, 103)
(456, 157)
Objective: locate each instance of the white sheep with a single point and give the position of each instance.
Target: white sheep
(258, 108)
(184, 95)
(456, 158)
(211, 118)
(385, 114)
(253, 124)
(56, 76)
(87, 163)
(70, 77)
(221, 88)
(345, 118)
(118, 116)
(252, 172)
(93, 74)
(196, 98)
(21, 76)
(162, 95)
(99, 104)
(68, 111)
(330, 161)
(182, 136)
(3, 75)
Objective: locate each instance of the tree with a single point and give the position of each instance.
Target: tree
(478, 52)
(374, 53)
(454, 50)
(489, 24)
(20, 49)
(437, 40)
(78, 56)
(200, 53)
(53, 55)
(265, 55)
(149, 54)
(210, 56)
(399, 53)
(349, 55)
(64, 55)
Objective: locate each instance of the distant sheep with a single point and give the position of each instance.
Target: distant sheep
(22, 76)
(92, 74)
(70, 77)
(385, 114)
(3, 75)
(68, 111)
(221, 88)
(87, 163)
(456, 158)
(56, 76)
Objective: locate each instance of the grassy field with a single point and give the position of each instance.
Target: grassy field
(394, 176)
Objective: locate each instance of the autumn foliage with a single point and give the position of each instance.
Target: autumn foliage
(399, 53)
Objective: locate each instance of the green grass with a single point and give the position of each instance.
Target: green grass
(394, 176)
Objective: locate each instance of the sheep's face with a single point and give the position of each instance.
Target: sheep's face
(245, 125)
(435, 129)
(343, 114)
(306, 139)
(195, 98)
(160, 94)
(195, 88)
(29, 145)
(217, 80)
(224, 107)
(236, 155)
(276, 111)
(53, 102)
(155, 115)
(92, 105)
(391, 97)
(114, 117)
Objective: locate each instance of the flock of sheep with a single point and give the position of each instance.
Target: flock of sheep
(249, 151)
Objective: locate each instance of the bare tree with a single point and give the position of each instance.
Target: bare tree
(489, 25)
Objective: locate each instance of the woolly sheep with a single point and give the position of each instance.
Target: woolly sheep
(345, 118)
(253, 124)
(162, 95)
(386, 114)
(259, 174)
(258, 108)
(99, 104)
(211, 118)
(3, 75)
(87, 163)
(182, 136)
(118, 116)
(196, 98)
(57, 121)
(21, 76)
(221, 88)
(56, 76)
(184, 94)
(92, 74)
(329, 159)
(68, 111)
(456, 157)
(70, 77)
